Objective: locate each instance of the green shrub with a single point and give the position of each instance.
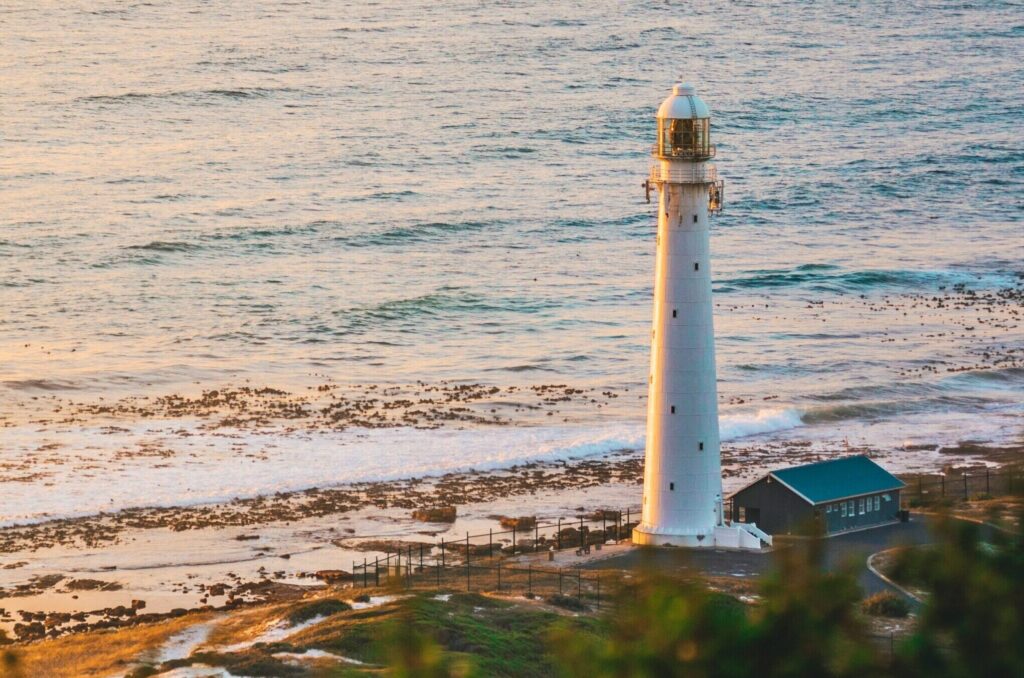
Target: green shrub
(886, 604)
(319, 608)
(566, 602)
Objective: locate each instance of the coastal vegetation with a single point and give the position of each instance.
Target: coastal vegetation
(801, 620)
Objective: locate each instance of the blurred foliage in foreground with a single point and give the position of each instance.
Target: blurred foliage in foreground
(973, 622)
(807, 624)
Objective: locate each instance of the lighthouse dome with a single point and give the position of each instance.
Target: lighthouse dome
(684, 103)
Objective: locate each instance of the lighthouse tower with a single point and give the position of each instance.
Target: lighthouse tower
(682, 499)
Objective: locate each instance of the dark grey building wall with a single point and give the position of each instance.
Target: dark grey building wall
(836, 521)
(777, 509)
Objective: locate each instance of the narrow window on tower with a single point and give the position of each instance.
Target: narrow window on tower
(696, 266)
(700, 446)
(674, 313)
(695, 218)
(673, 409)
(672, 486)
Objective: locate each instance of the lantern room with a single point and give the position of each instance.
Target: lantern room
(684, 127)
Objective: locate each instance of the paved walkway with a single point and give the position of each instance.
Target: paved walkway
(853, 547)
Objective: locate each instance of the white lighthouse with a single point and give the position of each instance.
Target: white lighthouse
(682, 500)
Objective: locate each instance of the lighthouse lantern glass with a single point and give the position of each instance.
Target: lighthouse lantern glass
(684, 138)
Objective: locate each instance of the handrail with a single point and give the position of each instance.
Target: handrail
(686, 154)
(693, 174)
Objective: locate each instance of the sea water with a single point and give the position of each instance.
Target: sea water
(196, 195)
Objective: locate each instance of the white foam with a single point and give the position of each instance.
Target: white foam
(374, 601)
(274, 632)
(300, 657)
(181, 645)
(91, 473)
(733, 426)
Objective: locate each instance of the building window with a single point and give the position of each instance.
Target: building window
(700, 446)
(673, 409)
(674, 312)
(842, 510)
(696, 266)
(849, 508)
(672, 486)
(860, 507)
(828, 509)
(878, 503)
(743, 514)
(695, 218)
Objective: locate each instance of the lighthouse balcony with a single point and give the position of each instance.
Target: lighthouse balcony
(693, 152)
(686, 174)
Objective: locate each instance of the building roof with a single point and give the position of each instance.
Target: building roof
(837, 479)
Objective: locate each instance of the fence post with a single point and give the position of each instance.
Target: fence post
(421, 558)
(942, 477)
(604, 527)
(408, 566)
(442, 551)
(376, 571)
(558, 536)
(529, 579)
(437, 569)
(599, 592)
(490, 542)
(581, 532)
(365, 574)
(398, 561)
(536, 535)
(618, 526)
(627, 516)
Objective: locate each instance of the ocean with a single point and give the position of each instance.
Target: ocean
(196, 196)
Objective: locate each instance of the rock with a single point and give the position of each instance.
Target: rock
(138, 604)
(92, 585)
(441, 514)
(520, 523)
(333, 576)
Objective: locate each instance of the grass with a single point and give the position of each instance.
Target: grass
(100, 653)
(495, 637)
(486, 636)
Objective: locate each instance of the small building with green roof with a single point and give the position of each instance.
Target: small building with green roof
(840, 495)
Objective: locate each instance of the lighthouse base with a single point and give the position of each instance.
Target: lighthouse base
(732, 536)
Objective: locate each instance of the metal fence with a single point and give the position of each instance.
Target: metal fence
(476, 559)
(928, 488)
(528, 580)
